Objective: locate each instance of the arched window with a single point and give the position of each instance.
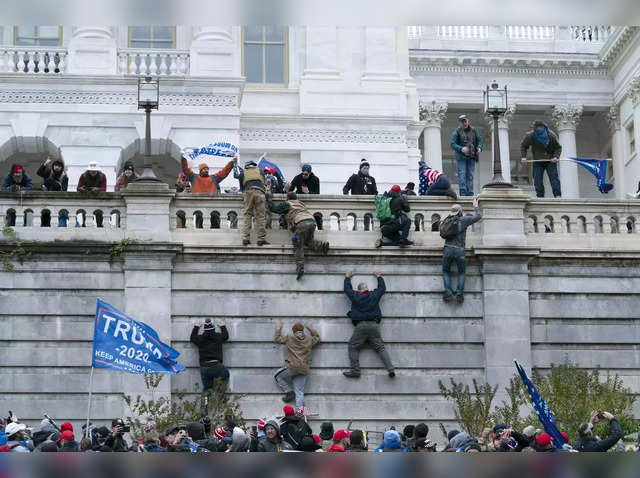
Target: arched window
(232, 220)
(215, 220)
(198, 219)
(45, 218)
(181, 220)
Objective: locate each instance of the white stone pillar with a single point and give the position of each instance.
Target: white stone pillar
(503, 137)
(414, 128)
(433, 114)
(617, 151)
(92, 51)
(216, 51)
(632, 169)
(566, 118)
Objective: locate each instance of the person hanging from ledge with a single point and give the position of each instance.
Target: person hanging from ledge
(92, 180)
(255, 202)
(202, 182)
(292, 377)
(127, 176)
(302, 225)
(209, 345)
(55, 178)
(17, 180)
(365, 315)
(306, 182)
(361, 183)
(434, 182)
(545, 149)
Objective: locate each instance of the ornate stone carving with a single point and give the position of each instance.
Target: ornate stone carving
(414, 129)
(503, 120)
(322, 136)
(634, 90)
(434, 113)
(613, 118)
(113, 98)
(566, 117)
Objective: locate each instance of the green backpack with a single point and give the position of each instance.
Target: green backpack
(383, 208)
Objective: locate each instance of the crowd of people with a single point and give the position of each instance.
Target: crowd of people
(290, 432)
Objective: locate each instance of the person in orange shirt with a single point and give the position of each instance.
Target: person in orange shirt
(202, 182)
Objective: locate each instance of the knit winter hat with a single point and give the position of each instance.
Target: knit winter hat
(317, 439)
(566, 436)
(261, 423)
(396, 188)
(66, 435)
(66, 426)
(543, 440)
(219, 433)
(208, 325)
(326, 430)
(202, 166)
(288, 411)
(529, 431)
(357, 437)
(363, 163)
(457, 209)
(306, 167)
(297, 327)
(17, 169)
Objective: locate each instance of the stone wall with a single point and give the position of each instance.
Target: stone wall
(535, 296)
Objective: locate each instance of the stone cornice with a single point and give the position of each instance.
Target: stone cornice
(433, 113)
(566, 117)
(616, 44)
(320, 136)
(578, 66)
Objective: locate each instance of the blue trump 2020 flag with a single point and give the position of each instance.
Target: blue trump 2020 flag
(597, 167)
(123, 344)
(545, 415)
(265, 163)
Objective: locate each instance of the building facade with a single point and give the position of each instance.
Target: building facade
(327, 96)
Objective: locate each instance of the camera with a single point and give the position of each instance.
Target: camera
(120, 423)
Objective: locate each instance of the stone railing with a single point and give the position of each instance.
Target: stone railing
(32, 60)
(463, 32)
(144, 61)
(345, 221)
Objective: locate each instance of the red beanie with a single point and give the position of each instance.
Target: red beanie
(317, 439)
(66, 426)
(396, 188)
(566, 436)
(16, 169)
(219, 433)
(66, 435)
(261, 423)
(288, 411)
(543, 440)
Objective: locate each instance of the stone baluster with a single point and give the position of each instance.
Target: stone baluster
(123, 59)
(21, 64)
(164, 68)
(153, 64)
(52, 62)
(173, 67)
(31, 65)
(62, 63)
(567, 117)
(433, 114)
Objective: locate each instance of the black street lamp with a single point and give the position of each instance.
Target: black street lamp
(148, 99)
(495, 104)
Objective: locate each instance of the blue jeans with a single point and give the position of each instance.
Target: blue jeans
(209, 375)
(449, 256)
(465, 167)
(440, 187)
(554, 179)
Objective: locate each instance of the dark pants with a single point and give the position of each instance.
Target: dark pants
(449, 256)
(209, 376)
(367, 333)
(554, 179)
(440, 187)
(397, 230)
(303, 234)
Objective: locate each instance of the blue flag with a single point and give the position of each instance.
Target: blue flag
(597, 167)
(123, 344)
(264, 163)
(545, 415)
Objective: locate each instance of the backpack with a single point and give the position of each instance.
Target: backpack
(450, 227)
(383, 207)
(295, 433)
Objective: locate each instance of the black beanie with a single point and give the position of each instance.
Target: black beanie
(326, 431)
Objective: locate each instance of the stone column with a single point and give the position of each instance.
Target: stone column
(617, 151)
(432, 115)
(414, 128)
(216, 51)
(566, 118)
(92, 51)
(632, 170)
(503, 137)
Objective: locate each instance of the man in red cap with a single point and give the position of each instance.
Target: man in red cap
(67, 442)
(17, 180)
(340, 442)
(396, 228)
(294, 428)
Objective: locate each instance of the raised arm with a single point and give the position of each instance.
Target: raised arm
(224, 172)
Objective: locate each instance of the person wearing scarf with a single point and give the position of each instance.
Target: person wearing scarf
(545, 149)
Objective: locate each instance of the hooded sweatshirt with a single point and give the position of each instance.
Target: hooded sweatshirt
(553, 149)
(267, 445)
(298, 350)
(391, 443)
(240, 441)
(54, 181)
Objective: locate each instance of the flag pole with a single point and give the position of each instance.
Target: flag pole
(89, 404)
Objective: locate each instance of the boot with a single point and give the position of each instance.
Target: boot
(325, 247)
(289, 397)
(263, 243)
(246, 242)
(351, 373)
(452, 194)
(299, 271)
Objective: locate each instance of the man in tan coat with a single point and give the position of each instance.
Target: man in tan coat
(292, 377)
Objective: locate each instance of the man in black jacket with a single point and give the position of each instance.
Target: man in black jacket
(589, 442)
(306, 182)
(365, 315)
(361, 183)
(397, 228)
(55, 179)
(209, 345)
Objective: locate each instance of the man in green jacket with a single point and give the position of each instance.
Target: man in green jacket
(545, 149)
(298, 361)
(302, 225)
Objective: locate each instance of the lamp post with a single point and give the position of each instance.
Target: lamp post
(495, 104)
(148, 99)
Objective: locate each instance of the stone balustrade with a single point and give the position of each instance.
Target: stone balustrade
(32, 60)
(345, 221)
(153, 62)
